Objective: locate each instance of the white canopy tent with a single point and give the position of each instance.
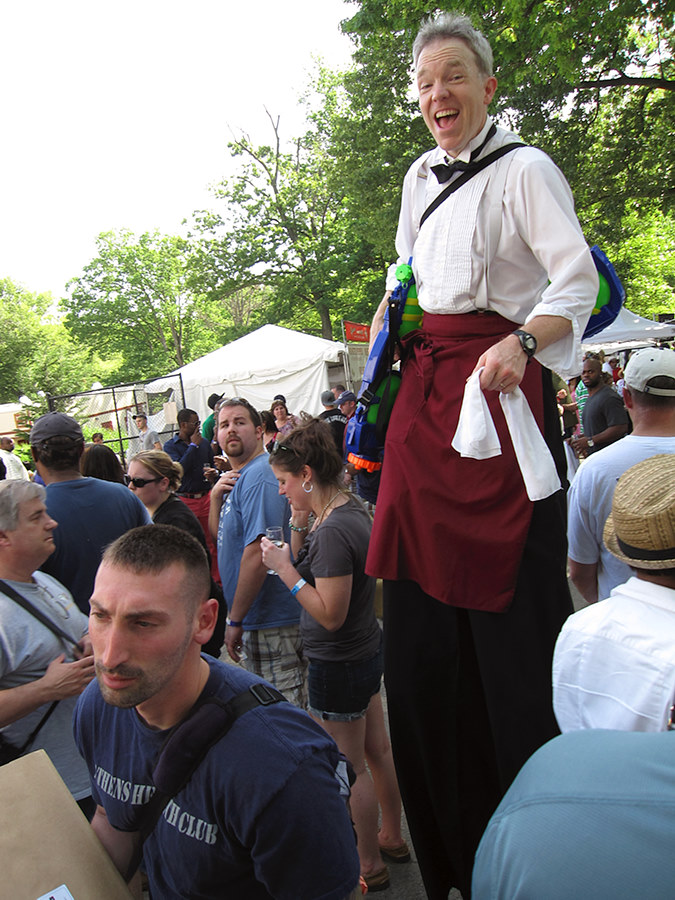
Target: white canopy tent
(269, 361)
(629, 330)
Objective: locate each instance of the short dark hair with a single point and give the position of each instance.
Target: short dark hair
(313, 445)
(240, 401)
(654, 401)
(58, 453)
(184, 415)
(97, 434)
(150, 549)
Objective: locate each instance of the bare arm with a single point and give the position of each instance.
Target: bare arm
(603, 439)
(61, 680)
(505, 361)
(378, 319)
(122, 846)
(327, 603)
(299, 519)
(585, 578)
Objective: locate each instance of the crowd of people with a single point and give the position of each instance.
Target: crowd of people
(193, 638)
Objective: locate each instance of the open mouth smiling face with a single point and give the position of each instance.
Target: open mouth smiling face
(454, 93)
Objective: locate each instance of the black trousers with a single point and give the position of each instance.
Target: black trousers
(469, 698)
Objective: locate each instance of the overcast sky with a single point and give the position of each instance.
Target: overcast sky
(118, 114)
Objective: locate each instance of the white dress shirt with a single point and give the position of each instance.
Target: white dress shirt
(540, 264)
(614, 662)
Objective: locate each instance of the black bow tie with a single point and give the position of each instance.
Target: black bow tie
(445, 171)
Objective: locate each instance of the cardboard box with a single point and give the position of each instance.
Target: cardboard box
(45, 841)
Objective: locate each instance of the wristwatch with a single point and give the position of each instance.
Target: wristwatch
(527, 341)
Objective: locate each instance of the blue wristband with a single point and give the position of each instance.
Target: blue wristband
(232, 624)
(298, 586)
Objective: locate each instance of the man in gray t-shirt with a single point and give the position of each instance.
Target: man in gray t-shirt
(37, 666)
(149, 439)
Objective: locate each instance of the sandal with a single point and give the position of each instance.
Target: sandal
(377, 882)
(400, 854)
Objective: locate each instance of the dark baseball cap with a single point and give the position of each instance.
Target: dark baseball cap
(55, 424)
(345, 397)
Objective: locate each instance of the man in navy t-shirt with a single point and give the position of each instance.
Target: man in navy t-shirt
(91, 513)
(262, 816)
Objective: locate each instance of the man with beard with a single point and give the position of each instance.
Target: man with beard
(251, 820)
(604, 418)
(264, 619)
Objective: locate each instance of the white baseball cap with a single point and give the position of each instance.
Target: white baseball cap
(647, 364)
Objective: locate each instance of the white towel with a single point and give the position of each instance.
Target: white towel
(476, 437)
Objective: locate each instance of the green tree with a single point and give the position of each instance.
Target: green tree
(136, 299)
(281, 228)
(592, 84)
(38, 355)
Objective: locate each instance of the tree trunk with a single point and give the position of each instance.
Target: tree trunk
(326, 327)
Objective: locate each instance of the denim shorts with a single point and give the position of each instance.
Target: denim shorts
(341, 691)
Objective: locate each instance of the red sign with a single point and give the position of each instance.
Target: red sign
(356, 332)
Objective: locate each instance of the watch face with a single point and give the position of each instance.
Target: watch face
(527, 341)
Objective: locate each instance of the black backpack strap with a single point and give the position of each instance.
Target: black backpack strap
(476, 167)
(9, 591)
(36, 613)
(187, 745)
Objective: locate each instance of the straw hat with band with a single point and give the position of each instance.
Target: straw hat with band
(641, 528)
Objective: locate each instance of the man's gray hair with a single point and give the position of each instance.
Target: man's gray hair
(12, 495)
(453, 25)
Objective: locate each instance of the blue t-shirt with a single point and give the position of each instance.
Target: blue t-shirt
(261, 817)
(91, 514)
(252, 506)
(591, 814)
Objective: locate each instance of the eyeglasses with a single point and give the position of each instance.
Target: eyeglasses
(139, 482)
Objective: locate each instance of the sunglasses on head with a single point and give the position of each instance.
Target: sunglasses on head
(139, 482)
(279, 446)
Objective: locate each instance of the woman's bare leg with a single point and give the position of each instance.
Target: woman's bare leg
(381, 764)
(350, 738)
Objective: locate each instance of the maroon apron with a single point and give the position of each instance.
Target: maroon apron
(455, 526)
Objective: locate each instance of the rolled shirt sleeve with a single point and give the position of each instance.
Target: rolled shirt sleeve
(542, 264)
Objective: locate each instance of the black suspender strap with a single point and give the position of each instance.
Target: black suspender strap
(9, 591)
(36, 613)
(476, 167)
